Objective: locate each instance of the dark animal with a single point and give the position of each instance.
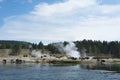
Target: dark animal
(4, 61)
(102, 61)
(12, 61)
(18, 61)
(73, 58)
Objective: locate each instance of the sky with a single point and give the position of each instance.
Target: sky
(59, 20)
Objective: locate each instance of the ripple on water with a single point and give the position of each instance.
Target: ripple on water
(54, 72)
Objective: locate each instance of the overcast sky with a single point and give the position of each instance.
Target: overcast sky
(59, 20)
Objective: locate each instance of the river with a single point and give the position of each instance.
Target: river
(58, 72)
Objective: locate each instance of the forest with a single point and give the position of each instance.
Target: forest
(90, 47)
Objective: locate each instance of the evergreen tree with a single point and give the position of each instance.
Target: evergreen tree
(41, 46)
(16, 49)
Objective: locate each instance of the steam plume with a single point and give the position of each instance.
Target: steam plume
(39, 54)
(36, 53)
(70, 49)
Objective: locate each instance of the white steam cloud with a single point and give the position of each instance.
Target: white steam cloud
(70, 49)
(36, 53)
(39, 53)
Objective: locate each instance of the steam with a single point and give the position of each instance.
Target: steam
(38, 53)
(84, 53)
(70, 49)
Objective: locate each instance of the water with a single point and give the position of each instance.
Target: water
(57, 72)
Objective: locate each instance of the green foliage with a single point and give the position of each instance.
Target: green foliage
(40, 46)
(3, 46)
(100, 47)
(16, 46)
(65, 43)
(90, 47)
(52, 48)
(16, 49)
(34, 46)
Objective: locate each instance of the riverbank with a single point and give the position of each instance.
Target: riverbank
(54, 60)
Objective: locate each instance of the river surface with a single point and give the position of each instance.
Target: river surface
(58, 72)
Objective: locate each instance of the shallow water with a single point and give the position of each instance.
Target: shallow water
(56, 72)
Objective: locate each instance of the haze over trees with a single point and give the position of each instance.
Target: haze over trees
(90, 47)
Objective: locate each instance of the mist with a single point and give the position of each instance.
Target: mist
(70, 49)
(36, 53)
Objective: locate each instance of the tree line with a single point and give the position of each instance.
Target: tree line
(85, 46)
(99, 47)
(91, 47)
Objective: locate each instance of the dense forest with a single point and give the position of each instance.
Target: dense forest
(89, 47)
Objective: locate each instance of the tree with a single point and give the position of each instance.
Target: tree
(41, 46)
(52, 48)
(16, 49)
(34, 46)
(3, 46)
